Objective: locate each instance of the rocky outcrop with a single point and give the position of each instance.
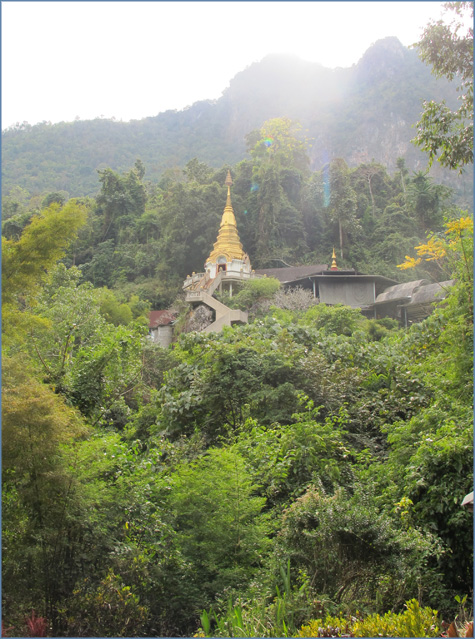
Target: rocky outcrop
(224, 316)
(200, 318)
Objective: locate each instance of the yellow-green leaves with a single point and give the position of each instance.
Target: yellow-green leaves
(35, 421)
(444, 251)
(280, 141)
(42, 244)
(413, 622)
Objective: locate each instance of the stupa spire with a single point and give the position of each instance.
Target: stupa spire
(228, 182)
(228, 243)
(334, 267)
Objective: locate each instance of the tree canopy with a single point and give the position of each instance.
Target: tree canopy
(447, 134)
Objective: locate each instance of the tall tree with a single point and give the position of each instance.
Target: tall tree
(279, 140)
(42, 244)
(121, 200)
(443, 133)
(368, 171)
(218, 520)
(425, 200)
(342, 199)
(401, 165)
(196, 171)
(280, 166)
(40, 529)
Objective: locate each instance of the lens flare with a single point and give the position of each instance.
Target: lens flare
(269, 142)
(254, 187)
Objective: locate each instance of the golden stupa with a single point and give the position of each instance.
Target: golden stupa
(228, 246)
(334, 267)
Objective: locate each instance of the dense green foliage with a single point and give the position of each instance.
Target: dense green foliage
(445, 133)
(307, 463)
(297, 474)
(142, 240)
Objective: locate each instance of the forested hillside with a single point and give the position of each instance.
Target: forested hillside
(363, 114)
(143, 239)
(311, 463)
(300, 475)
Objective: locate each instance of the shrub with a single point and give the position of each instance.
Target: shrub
(330, 627)
(337, 319)
(294, 299)
(353, 552)
(218, 522)
(254, 292)
(111, 609)
(413, 622)
(37, 626)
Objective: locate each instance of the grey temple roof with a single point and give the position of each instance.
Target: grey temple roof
(292, 273)
(431, 293)
(400, 291)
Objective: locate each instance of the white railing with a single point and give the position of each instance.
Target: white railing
(203, 278)
(195, 277)
(194, 295)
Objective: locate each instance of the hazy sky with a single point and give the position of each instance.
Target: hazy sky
(129, 60)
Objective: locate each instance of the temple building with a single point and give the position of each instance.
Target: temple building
(333, 285)
(228, 266)
(227, 262)
(227, 256)
(160, 327)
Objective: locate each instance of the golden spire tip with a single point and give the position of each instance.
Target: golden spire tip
(334, 267)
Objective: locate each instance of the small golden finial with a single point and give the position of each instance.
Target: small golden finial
(228, 183)
(334, 267)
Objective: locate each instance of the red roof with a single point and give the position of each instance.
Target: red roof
(160, 318)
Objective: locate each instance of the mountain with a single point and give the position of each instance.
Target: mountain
(360, 113)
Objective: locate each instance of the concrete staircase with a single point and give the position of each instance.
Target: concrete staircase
(224, 316)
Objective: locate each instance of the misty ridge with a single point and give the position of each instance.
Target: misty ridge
(363, 113)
